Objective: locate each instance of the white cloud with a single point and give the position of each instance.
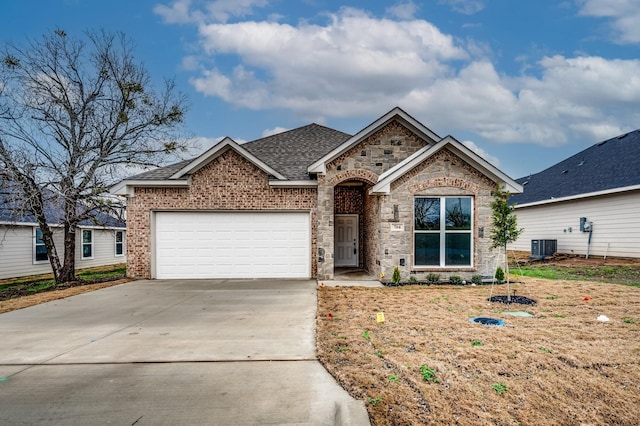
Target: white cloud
(355, 58)
(222, 10)
(624, 16)
(183, 11)
(274, 131)
(404, 10)
(357, 65)
(482, 153)
(177, 13)
(466, 7)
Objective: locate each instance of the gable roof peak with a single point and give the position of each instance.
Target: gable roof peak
(395, 113)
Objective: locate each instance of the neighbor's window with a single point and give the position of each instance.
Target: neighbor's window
(87, 243)
(443, 231)
(40, 250)
(119, 243)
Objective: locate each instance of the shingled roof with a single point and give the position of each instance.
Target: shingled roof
(162, 172)
(292, 152)
(12, 210)
(611, 164)
(289, 152)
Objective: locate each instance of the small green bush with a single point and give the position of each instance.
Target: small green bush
(433, 278)
(499, 275)
(476, 279)
(455, 279)
(396, 277)
(499, 387)
(428, 374)
(413, 279)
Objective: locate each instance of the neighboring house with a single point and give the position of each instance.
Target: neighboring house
(600, 184)
(99, 241)
(302, 203)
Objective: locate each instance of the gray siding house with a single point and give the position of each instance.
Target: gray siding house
(588, 203)
(99, 241)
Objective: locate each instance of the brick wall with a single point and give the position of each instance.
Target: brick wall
(229, 182)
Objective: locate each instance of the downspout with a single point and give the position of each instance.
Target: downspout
(589, 239)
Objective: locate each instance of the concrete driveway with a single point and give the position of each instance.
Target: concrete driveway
(171, 352)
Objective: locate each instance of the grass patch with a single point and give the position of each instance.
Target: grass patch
(627, 275)
(23, 286)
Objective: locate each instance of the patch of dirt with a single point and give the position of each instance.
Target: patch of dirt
(573, 260)
(66, 290)
(561, 366)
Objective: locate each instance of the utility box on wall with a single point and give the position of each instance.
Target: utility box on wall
(543, 248)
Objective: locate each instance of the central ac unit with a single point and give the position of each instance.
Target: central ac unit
(543, 248)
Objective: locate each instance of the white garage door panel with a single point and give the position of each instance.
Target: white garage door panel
(232, 245)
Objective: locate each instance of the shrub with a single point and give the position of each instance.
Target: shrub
(455, 279)
(433, 278)
(499, 275)
(396, 277)
(476, 279)
(413, 279)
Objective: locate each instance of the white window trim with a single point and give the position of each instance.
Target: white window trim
(82, 244)
(33, 256)
(443, 233)
(115, 247)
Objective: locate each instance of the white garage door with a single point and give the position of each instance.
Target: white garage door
(232, 245)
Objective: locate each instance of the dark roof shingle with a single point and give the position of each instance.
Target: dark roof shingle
(290, 152)
(293, 151)
(613, 163)
(13, 211)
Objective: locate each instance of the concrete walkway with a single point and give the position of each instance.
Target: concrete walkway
(171, 352)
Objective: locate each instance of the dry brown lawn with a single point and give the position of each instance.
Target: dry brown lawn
(562, 366)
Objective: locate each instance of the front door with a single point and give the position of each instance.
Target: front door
(346, 240)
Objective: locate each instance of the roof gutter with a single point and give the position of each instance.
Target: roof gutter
(293, 183)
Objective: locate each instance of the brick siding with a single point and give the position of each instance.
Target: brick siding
(229, 182)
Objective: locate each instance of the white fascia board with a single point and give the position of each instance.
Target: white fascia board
(102, 228)
(294, 183)
(29, 224)
(55, 225)
(126, 186)
(217, 150)
(580, 196)
(320, 165)
(384, 182)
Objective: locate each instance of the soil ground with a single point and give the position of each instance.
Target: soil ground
(561, 366)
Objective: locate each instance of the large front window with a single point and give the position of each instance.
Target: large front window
(442, 231)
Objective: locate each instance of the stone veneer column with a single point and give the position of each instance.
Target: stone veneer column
(324, 219)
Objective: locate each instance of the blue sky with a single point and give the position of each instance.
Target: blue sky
(524, 83)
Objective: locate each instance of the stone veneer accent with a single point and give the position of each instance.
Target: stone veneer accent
(364, 162)
(444, 174)
(229, 182)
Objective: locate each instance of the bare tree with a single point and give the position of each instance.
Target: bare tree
(73, 112)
